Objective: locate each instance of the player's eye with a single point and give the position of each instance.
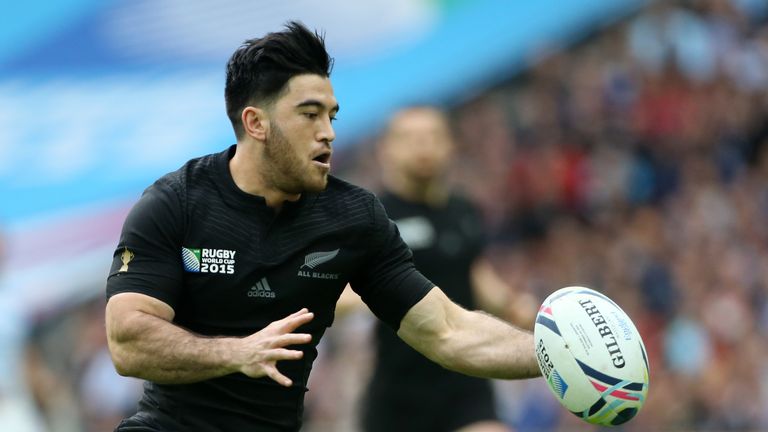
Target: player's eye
(310, 115)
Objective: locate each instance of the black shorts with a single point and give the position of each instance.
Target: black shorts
(137, 423)
(133, 424)
(436, 408)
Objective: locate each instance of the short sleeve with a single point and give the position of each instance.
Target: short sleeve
(388, 282)
(148, 257)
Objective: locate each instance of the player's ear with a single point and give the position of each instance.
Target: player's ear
(255, 122)
(383, 148)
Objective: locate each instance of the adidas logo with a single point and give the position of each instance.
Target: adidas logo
(261, 289)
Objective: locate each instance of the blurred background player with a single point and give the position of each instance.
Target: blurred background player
(444, 230)
(17, 411)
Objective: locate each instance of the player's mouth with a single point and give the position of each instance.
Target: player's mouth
(323, 159)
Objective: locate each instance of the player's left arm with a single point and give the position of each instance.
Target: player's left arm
(472, 343)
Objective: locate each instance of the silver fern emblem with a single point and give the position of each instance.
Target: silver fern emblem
(316, 258)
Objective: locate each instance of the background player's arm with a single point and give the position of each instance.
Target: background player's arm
(348, 303)
(144, 343)
(495, 296)
(469, 342)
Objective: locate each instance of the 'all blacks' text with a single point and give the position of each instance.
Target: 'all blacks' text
(317, 275)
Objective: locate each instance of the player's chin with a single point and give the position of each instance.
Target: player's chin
(317, 184)
(426, 174)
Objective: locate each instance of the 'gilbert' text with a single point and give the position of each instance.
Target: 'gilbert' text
(605, 332)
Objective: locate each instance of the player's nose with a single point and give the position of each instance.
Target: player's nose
(326, 133)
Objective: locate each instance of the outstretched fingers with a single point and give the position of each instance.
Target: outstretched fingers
(291, 339)
(297, 313)
(268, 347)
(272, 372)
(284, 354)
(269, 365)
(294, 321)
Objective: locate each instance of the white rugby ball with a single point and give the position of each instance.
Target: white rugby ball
(591, 355)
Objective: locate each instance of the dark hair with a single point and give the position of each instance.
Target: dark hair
(259, 69)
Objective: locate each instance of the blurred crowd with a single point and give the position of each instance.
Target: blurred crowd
(635, 162)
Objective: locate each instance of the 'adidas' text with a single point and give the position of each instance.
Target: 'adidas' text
(261, 289)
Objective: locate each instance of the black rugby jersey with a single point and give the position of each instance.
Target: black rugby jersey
(228, 265)
(445, 242)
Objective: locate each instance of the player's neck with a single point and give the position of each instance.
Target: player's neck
(432, 192)
(246, 168)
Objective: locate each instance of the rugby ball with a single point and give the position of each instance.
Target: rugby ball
(591, 356)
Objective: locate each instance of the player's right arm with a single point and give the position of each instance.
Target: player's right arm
(146, 282)
(145, 343)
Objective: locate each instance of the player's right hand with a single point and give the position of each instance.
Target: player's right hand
(257, 355)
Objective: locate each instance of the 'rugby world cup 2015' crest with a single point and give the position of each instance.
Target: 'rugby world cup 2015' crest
(191, 259)
(207, 260)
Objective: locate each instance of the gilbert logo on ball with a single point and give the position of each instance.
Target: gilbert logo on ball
(591, 356)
